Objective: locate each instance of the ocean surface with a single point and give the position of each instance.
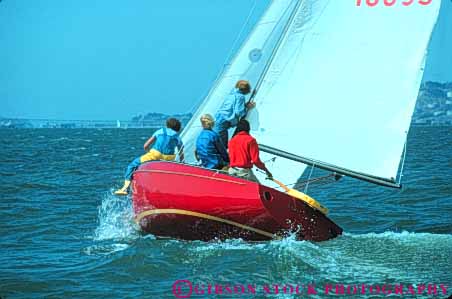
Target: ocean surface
(63, 235)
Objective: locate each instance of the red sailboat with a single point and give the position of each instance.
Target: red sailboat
(188, 202)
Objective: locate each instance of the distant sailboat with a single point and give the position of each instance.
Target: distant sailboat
(118, 124)
(336, 85)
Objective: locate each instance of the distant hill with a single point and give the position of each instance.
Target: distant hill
(159, 119)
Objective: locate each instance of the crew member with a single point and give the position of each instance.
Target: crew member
(209, 148)
(244, 153)
(163, 144)
(232, 110)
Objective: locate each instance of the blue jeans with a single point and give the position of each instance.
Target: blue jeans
(222, 127)
(132, 167)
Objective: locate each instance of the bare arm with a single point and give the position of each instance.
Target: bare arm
(148, 143)
(254, 152)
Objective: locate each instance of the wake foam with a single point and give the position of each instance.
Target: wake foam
(115, 219)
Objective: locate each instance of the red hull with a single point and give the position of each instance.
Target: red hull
(192, 203)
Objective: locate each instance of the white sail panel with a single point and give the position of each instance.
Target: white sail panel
(245, 65)
(344, 83)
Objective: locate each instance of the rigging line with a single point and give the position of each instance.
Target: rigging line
(222, 74)
(315, 180)
(403, 164)
(318, 179)
(198, 106)
(322, 183)
(231, 51)
(228, 57)
(309, 177)
(275, 49)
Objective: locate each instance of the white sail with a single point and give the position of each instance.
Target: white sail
(340, 88)
(343, 85)
(248, 64)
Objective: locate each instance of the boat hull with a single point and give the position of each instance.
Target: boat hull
(192, 203)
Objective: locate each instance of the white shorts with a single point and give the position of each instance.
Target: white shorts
(244, 173)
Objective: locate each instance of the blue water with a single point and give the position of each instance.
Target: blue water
(63, 235)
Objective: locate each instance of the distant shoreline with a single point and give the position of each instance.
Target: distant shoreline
(150, 120)
(433, 108)
(157, 127)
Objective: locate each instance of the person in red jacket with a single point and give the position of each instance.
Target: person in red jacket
(244, 153)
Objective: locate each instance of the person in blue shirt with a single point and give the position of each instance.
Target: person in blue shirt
(163, 144)
(232, 110)
(209, 148)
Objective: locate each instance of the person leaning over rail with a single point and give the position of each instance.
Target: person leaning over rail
(209, 148)
(163, 144)
(244, 152)
(232, 110)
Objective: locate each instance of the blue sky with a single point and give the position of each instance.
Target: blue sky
(439, 63)
(98, 59)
